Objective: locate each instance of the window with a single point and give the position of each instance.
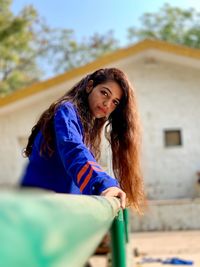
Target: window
(172, 138)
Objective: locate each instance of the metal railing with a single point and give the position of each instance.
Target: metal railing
(54, 230)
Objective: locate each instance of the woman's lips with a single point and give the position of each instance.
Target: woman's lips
(102, 110)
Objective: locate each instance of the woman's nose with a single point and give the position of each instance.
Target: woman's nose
(107, 104)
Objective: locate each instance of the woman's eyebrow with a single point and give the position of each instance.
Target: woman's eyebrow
(107, 89)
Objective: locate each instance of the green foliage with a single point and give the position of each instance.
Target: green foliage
(66, 53)
(171, 24)
(29, 48)
(17, 63)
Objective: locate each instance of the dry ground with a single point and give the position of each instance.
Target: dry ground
(159, 245)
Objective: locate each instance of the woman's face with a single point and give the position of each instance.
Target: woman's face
(104, 98)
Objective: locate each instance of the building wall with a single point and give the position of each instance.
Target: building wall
(168, 215)
(168, 98)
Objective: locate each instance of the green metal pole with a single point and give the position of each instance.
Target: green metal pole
(47, 229)
(126, 224)
(118, 241)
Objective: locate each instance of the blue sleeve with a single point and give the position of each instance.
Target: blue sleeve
(78, 161)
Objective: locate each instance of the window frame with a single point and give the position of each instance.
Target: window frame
(167, 141)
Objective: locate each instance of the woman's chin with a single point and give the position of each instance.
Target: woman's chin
(99, 116)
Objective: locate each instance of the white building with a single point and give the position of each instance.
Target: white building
(167, 82)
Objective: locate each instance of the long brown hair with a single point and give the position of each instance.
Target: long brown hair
(122, 131)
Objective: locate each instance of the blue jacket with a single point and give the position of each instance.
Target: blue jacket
(72, 167)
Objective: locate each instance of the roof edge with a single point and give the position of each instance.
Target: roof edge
(98, 63)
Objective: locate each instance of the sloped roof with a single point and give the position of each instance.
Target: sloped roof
(107, 59)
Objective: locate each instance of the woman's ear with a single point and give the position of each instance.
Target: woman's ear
(89, 86)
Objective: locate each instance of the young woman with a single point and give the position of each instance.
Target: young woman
(64, 145)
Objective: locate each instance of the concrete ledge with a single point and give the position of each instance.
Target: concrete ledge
(173, 214)
(180, 201)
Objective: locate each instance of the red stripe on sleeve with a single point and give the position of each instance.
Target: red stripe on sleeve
(87, 179)
(82, 171)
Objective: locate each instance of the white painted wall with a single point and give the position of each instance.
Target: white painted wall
(168, 215)
(169, 98)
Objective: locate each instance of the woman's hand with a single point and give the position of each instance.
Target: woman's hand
(116, 192)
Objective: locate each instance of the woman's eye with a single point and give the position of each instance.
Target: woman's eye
(104, 93)
(116, 103)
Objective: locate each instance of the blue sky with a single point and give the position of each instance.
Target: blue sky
(87, 17)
